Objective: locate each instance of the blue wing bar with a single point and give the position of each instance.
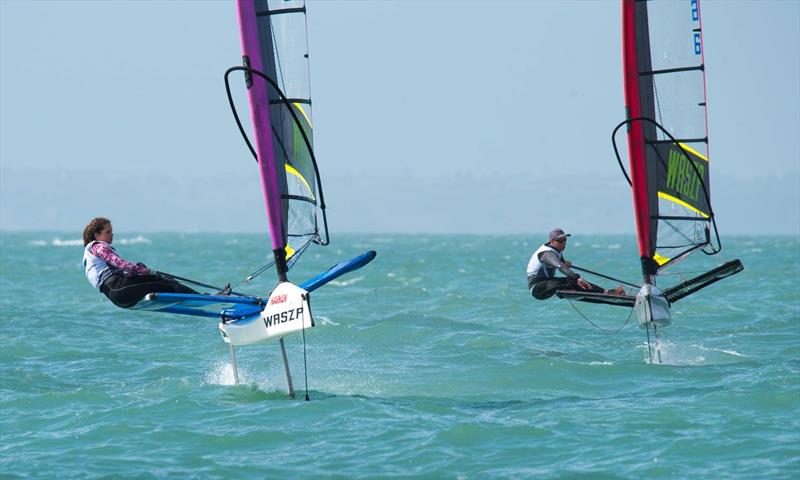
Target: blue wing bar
(237, 307)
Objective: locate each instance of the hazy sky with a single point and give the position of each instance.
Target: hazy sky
(429, 116)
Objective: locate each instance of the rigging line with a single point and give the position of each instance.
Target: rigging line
(714, 249)
(616, 152)
(678, 232)
(300, 250)
(264, 268)
(258, 272)
(683, 254)
(296, 121)
(597, 326)
(605, 276)
(170, 276)
(305, 360)
(658, 101)
(681, 273)
(236, 117)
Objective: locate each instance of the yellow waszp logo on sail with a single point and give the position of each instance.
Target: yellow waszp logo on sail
(685, 177)
(684, 174)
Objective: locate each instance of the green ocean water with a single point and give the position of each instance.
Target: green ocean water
(431, 362)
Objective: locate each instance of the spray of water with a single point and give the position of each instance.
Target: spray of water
(675, 354)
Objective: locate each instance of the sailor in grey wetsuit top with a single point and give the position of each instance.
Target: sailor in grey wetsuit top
(542, 280)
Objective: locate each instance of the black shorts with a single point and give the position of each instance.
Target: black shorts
(126, 292)
(548, 287)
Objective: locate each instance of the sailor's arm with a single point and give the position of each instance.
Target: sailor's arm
(552, 260)
(108, 255)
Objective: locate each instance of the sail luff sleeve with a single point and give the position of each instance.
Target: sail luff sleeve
(259, 110)
(636, 145)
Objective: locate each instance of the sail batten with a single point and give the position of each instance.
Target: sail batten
(269, 13)
(679, 140)
(672, 70)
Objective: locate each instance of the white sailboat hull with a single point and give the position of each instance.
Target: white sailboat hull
(287, 312)
(652, 307)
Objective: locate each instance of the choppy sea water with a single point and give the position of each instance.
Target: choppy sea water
(432, 362)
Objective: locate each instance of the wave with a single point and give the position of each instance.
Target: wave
(73, 242)
(676, 354)
(57, 242)
(346, 283)
(322, 320)
(134, 240)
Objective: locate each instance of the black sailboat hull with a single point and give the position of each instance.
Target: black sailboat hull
(672, 294)
(692, 285)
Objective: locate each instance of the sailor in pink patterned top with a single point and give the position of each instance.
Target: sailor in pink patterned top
(123, 282)
(107, 253)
